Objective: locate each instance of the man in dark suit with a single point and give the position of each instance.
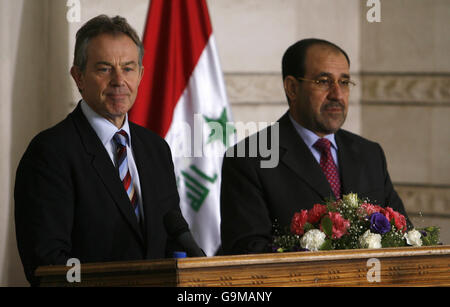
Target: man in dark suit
(96, 187)
(317, 159)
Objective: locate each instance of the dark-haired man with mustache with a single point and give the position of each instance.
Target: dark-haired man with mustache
(317, 159)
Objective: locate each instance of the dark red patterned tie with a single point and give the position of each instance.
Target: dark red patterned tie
(327, 164)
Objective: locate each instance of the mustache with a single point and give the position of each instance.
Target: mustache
(333, 104)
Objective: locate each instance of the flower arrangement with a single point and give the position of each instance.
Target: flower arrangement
(350, 223)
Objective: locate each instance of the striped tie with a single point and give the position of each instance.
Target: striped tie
(121, 139)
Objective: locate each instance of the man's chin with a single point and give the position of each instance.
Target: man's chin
(119, 107)
(331, 128)
(334, 122)
(117, 112)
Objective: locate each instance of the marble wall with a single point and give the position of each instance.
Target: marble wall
(401, 66)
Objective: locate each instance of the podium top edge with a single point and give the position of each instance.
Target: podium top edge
(250, 259)
(307, 256)
(113, 266)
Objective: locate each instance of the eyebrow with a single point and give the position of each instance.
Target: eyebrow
(129, 63)
(327, 74)
(121, 64)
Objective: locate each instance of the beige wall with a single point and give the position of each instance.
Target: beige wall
(252, 36)
(401, 66)
(405, 103)
(22, 107)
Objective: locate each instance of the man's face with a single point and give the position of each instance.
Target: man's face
(321, 111)
(111, 78)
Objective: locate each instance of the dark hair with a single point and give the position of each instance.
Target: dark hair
(100, 25)
(293, 62)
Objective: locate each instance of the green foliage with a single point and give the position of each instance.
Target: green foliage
(430, 235)
(308, 227)
(327, 226)
(287, 243)
(393, 238)
(327, 245)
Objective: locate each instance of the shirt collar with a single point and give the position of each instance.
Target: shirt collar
(310, 137)
(105, 129)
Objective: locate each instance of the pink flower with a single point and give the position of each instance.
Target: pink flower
(316, 213)
(340, 225)
(298, 222)
(399, 219)
(369, 209)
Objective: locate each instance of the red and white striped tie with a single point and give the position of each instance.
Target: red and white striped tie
(121, 139)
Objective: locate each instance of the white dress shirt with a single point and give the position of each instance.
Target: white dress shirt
(105, 131)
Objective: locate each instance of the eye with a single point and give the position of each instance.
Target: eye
(344, 82)
(103, 69)
(323, 81)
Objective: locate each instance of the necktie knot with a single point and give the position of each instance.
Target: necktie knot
(121, 138)
(322, 144)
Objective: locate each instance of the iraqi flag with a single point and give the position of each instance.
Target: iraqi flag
(182, 97)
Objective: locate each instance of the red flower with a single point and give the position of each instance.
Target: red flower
(298, 222)
(399, 219)
(340, 225)
(316, 213)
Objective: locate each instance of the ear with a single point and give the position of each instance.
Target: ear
(77, 76)
(291, 88)
(141, 73)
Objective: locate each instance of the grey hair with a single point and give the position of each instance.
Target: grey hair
(103, 24)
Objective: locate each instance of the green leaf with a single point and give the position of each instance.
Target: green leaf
(327, 226)
(327, 245)
(307, 227)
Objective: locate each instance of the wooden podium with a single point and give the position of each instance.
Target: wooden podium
(408, 266)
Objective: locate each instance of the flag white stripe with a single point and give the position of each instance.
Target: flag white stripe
(205, 94)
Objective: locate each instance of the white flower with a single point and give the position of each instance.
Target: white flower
(413, 238)
(312, 239)
(351, 199)
(370, 240)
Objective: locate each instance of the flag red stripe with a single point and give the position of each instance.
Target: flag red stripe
(176, 33)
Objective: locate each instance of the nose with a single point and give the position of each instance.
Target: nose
(117, 78)
(335, 92)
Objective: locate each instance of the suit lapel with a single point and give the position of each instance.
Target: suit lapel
(349, 163)
(149, 183)
(299, 158)
(105, 169)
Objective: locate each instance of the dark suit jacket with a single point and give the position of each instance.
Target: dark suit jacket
(70, 202)
(253, 198)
